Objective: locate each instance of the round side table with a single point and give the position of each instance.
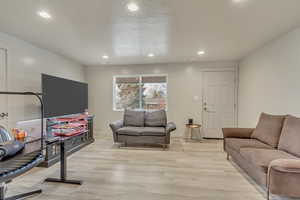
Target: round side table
(194, 131)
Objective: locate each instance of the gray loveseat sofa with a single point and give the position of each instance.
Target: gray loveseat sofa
(143, 127)
(270, 153)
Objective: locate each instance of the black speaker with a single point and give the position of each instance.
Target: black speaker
(190, 121)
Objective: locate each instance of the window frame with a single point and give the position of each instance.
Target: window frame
(140, 91)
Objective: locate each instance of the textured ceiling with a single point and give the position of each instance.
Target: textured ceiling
(174, 30)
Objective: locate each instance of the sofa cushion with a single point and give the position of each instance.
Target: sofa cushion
(238, 143)
(142, 131)
(156, 118)
(290, 136)
(153, 131)
(263, 157)
(130, 130)
(134, 118)
(268, 129)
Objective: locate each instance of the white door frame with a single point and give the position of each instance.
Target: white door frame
(233, 69)
(6, 79)
(6, 66)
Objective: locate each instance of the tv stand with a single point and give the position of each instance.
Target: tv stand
(72, 145)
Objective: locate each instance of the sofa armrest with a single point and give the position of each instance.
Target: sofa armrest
(171, 126)
(286, 165)
(115, 126)
(284, 177)
(237, 132)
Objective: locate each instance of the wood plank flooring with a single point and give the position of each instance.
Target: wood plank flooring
(187, 171)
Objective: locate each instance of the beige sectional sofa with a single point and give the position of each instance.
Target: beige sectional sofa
(270, 153)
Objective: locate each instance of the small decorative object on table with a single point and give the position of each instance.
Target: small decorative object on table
(190, 129)
(19, 134)
(190, 121)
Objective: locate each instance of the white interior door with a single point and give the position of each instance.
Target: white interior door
(219, 107)
(3, 87)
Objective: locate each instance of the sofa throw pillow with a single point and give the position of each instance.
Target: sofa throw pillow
(290, 136)
(134, 118)
(268, 129)
(156, 118)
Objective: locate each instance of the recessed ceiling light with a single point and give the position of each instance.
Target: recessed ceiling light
(105, 57)
(201, 53)
(151, 55)
(132, 7)
(44, 14)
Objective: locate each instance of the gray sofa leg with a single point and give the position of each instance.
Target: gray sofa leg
(120, 145)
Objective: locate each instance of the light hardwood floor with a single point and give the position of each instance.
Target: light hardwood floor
(187, 171)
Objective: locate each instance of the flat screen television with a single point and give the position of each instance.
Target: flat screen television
(63, 97)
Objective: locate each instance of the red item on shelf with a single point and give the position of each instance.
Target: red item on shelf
(70, 119)
(72, 133)
(70, 126)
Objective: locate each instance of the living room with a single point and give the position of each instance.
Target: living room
(149, 100)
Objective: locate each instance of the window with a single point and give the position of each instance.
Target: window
(127, 93)
(140, 92)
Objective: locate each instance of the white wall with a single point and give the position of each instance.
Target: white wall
(25, 65)
(270, 80)
(184, 82)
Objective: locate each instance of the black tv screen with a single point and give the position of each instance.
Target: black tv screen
(63, 97)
